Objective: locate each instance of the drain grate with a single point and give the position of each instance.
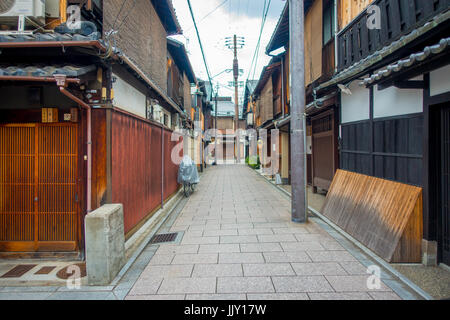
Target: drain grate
(166, 237)
(19, 271)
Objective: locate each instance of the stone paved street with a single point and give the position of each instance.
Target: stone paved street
(239, 243)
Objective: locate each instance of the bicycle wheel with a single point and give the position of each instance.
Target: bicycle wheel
(187, 189)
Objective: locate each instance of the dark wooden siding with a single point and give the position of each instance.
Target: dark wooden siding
(398, 17)
(397, 148)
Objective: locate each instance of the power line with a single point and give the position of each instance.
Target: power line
(256, 53)
(201, 46)
(210, 13)
(259, 41)
(120, 11)
(126, 17)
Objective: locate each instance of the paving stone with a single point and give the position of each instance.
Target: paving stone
(159, 259)
(157, 297)
(261, 247)
(241, 258)
(308, 237)
(146, 286)
(237, 226)
(205, 227)
(244, 285)
(330, 256)
(331, 245)
(200, 240)
(277, 238)
(217, 270)
(318, 269)
(259, 231)
(354, 267)
(223, 297)
(301, 246)
(195, 258)
(170, 271)
(81, 296)
(302, 284)
(293, 256)
(339, 296)
(384, 296)
(353, 283)
(187, 285)
(277, 296)
(268, 269)
(177, 249)
(238, 239)
(286, 230)
(222, 232)
(219, 248)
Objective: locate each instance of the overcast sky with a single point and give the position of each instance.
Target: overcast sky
(240, 17)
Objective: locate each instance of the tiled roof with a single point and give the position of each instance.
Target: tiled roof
(45, 71)
(49, 37)
(363, 65)
(410, 61)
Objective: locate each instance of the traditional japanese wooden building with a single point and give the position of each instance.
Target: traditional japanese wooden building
(85, 120)
(392, 71)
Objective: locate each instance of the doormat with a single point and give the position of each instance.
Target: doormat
(45, 270)
(68, 271)
(19, 270)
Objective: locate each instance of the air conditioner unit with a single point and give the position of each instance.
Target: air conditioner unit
(32, 10)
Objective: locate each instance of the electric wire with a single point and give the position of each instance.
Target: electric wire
(201, 46)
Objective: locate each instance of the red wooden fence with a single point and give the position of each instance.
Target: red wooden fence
(137, 167)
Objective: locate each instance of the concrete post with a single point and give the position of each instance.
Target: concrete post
(297, 85)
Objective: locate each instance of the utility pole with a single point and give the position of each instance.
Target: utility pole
(297, 74)
(235, 44)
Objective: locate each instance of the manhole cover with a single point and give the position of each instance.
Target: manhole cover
(65, 273)
(161, 238)
(19, 271)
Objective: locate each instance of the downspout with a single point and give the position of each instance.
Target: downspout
(336, 26)
(61, 84)
(282, 87)
(162, 166)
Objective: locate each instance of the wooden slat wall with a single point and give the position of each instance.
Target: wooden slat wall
(137, 167)
(349, 9)
(266, 104)
(17, 183)
(38, 187)
(313, 43)
(383, 215)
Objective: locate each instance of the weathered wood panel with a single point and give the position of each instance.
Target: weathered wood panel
(383, 215)
(137, 180)
(266, 104)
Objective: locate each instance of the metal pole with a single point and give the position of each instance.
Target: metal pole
(297, 74)
(236, 102)
(215, 128)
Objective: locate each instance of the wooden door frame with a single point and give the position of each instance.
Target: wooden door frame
(333, 133)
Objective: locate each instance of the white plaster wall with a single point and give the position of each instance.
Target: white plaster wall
(394, 102)
(355, 107)
(128, 97)
(440, 81)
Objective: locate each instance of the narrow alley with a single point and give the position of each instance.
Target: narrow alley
(238, 243)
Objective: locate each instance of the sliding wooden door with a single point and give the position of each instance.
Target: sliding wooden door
(39, 204)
